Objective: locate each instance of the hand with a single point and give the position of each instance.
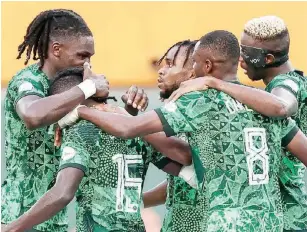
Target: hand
(135, 99)
(197, 84)
(57, 137)
(70, 118)
(101, 83)
(112, 109)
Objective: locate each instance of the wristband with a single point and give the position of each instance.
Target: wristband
(88, 88)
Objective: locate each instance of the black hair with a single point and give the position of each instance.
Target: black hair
(186, 43)
(224, 43)
(48, 25)
(68, 78)
(65, 79)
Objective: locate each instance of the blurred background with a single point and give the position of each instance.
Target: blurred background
(131, 36)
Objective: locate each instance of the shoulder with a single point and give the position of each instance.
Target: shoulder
(291, 81)
(83, 131)
(29, 78)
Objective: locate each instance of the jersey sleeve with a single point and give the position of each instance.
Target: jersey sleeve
(26, 85)
(159, 160)
(285, 82)
(187, 114)
(74, 152)
(289, 130)
(155, 157)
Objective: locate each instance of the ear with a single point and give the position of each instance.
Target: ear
(207, 68)
(269, 59)
(56, 49)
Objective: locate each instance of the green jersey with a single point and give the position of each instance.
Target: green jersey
(31, 161)
(236, 154)
(185, 207)
(292, 184)
(109, 196)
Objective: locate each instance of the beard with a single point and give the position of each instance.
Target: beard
(166, 94)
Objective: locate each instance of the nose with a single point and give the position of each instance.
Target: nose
(161, 73)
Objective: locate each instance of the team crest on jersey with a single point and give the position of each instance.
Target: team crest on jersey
(68, 153)
(25, 86)
(170, 107)
(292, 85)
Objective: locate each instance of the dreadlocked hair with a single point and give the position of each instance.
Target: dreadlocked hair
(186, 43)
(48, 25)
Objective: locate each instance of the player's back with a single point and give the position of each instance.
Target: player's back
(240, 151)
(109, 194)
(236, 154)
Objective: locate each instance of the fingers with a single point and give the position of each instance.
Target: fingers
(57, 137)
(131, 94)
(143, 103)
(138, 98)
(87, 70)
(125, 98)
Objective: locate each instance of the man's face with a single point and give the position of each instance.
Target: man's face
(172, 72)
(255, 74)
(73, 53)
(198, 60)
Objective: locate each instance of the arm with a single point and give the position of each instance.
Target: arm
(279, 103)
(52, 202)
(121, 125)
(172, 147)
(38, 112)
(298, 147)
(155, 196)
(171, 118)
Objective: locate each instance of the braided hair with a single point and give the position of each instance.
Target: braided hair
(48, 25)
(186, 43)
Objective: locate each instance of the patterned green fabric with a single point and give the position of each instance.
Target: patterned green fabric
(236, 154)
(292, 184)
(30, 155)
(109, 195)
(185, 209)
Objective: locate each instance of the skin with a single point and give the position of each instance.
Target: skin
(156, 196)
(148, 123)
(280, 103)
(69, 179)
(171, 74)
(38, 112)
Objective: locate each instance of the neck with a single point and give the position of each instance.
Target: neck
(273, 72)
(49, 70)
(229, 74)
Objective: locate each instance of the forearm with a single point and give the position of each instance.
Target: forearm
(298, 147)
(49, 205)
(256, 99)
(155, 196)
(171, 147)
(122, 126)
(46, 111)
